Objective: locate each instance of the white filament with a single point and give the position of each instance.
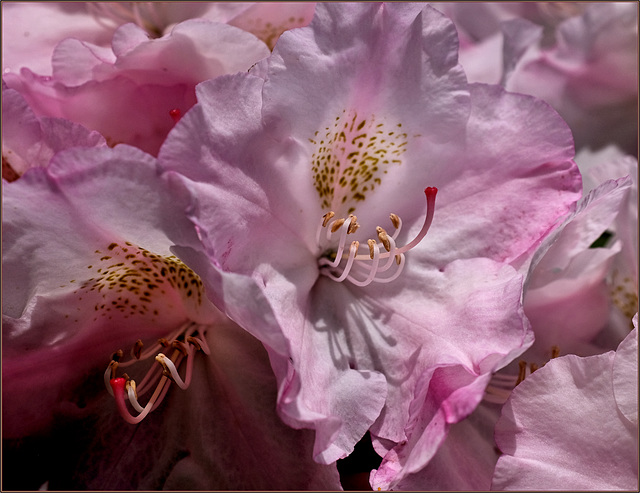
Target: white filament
(363, 269)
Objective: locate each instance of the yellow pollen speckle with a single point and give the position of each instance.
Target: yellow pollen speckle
(133, 281)
(351, 156)
(624, 294)
(267, 31)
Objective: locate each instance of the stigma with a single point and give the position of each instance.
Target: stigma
(169, 356)
(381, 261)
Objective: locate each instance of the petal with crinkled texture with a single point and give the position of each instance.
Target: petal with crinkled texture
(625, 367)
(146, 81)
(74, 285)
(93, 274)
(31, 30)
(562, 427)
(464, 461)
(29, 141)
(268, 20)
(265, 157)
(567, 298)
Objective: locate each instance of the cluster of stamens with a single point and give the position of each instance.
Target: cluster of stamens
(501, 386)
(362, 269)
(183, 343)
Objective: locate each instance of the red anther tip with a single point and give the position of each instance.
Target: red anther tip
(118, 384)
(176, 114)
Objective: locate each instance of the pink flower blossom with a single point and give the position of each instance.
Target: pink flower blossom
(571, 300)
(89, 268)
(582, 58)
(31, 30)
(567, 297)
(571, 275)
(573, 425)
(148, 83)
(623, 279)
(404, 350)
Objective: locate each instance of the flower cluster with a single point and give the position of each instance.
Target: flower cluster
(300, 246)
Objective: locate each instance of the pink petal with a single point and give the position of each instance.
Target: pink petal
(29, 141)
(63, 225)
(31, 30)
(530, 153)
(567, 297)
(561, 429)
(464, 461)
(257, 211)
(268, 20)
(145, 80)
(625, 375)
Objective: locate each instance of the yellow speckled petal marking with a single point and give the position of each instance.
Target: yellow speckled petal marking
(268, 32)
(624, 294)
(134, 281)
(352, 155)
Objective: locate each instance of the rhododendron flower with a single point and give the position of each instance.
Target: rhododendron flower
(31, 30)
(568, 303)
(590, 75)
(567, 297)
(623, 280)
(311, 179)
(582, 58)
(29, 141)
(89, 271)
(573, 425)
(266, 20)
(148, 83)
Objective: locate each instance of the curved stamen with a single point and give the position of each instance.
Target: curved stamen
(375, 257)
(187, 347)
(353, 250)
(346, 226)
(150, 379)
(153, 350)
(390, 259)
(396, 274)
(496, 395)
(501, 385)
(397, 224)
(338, 223)
(374, 268)
(118, 385)
(130, 387)
(201, 344)
(368, 265)
(170, 368)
